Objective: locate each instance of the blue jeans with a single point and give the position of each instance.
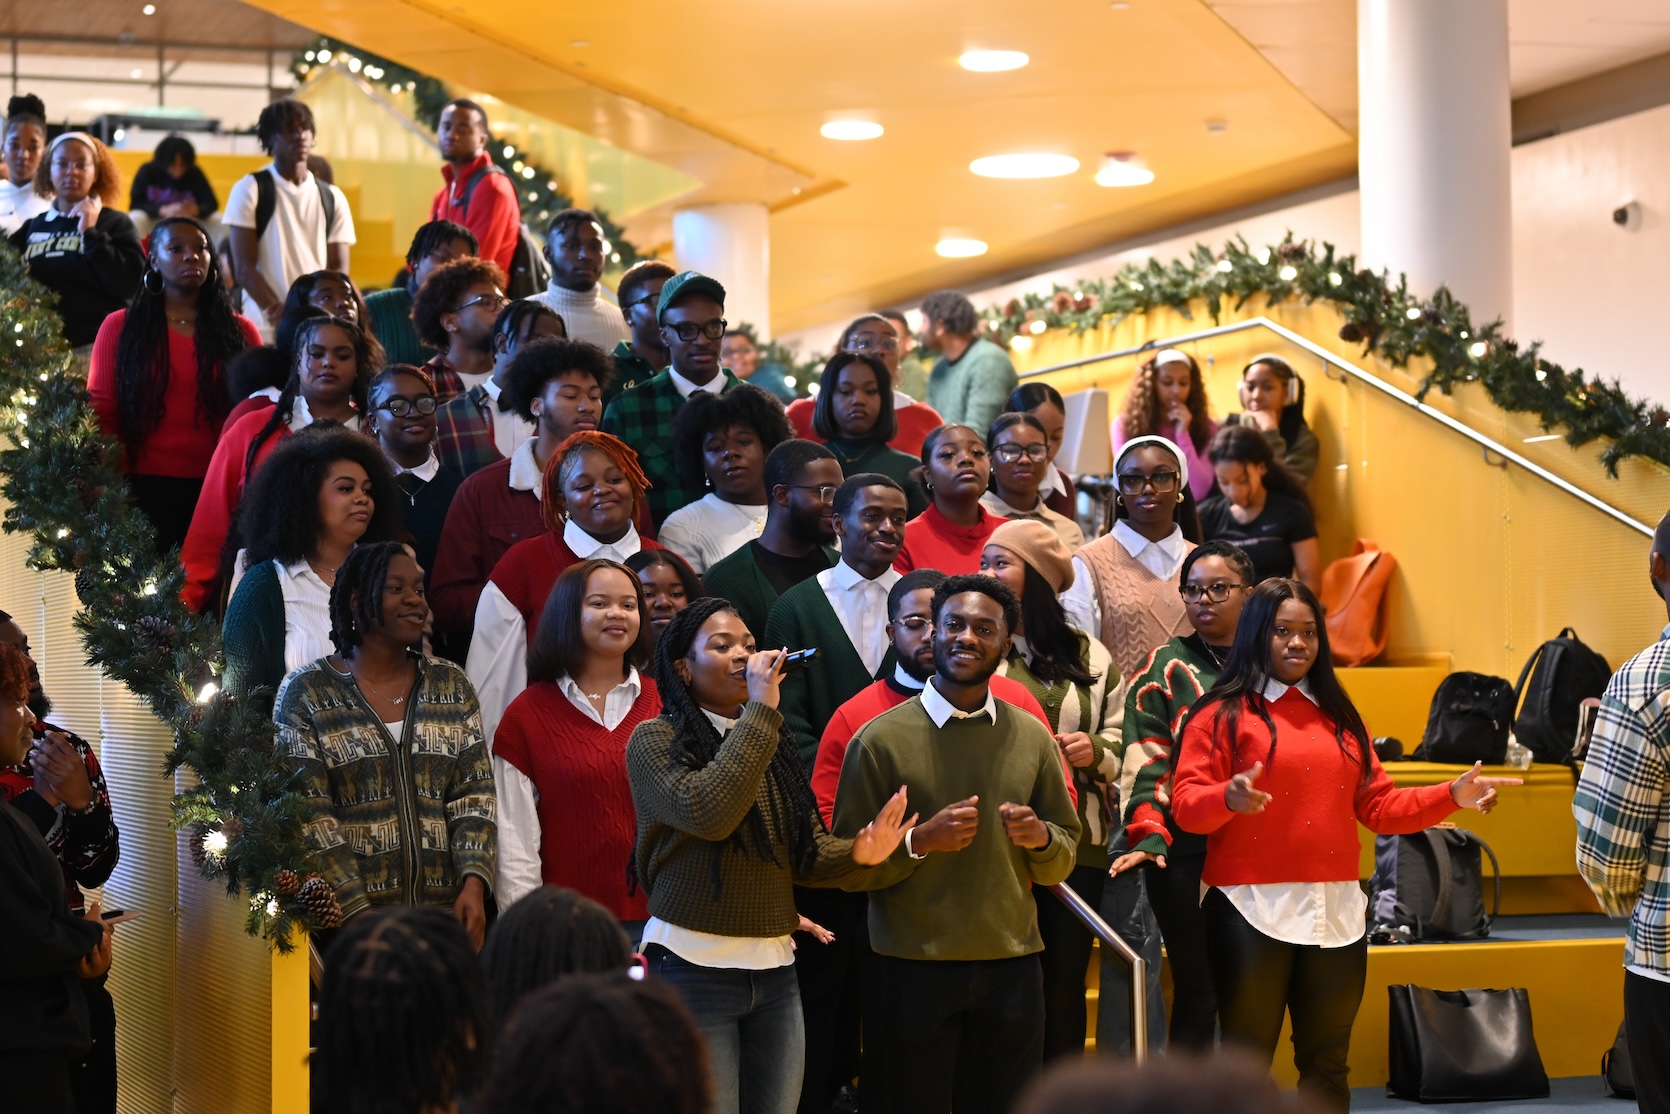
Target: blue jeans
(755, 1035)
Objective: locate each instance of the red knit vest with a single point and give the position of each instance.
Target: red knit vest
(529, 570)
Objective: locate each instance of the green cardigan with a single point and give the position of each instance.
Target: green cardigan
(738, 578)
(800, 620)
(878, 456)
(252, 635)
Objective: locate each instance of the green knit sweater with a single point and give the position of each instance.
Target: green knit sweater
(802, 619)
(738, 578)
(1160, 695)
(975, 903)
(683, 812)
(1099, 711)
(254, 656)
(879, 456)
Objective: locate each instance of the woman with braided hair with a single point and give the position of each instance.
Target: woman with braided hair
(158, 374)
(727, 826)
(549, 934)
(386, 747)
(592, 489)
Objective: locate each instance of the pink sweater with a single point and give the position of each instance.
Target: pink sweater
(1200, 469)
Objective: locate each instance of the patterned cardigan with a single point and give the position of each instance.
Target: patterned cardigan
(391, 823)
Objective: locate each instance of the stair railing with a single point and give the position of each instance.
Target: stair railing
(1115, 943)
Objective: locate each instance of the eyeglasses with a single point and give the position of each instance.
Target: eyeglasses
(873, 344)
(402, 407)
(1217, 593)
(496, 300)
(1009, 453)
(826, 492)
(915, 624)
(688, 330)
(1132, 483)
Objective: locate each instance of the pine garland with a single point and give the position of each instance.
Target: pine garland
(1387, 320)
(64, 489)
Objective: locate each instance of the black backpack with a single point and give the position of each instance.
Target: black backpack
(1430, 886)
(530, 273)
(266, 201)
(1468, 721)
(1562, 673)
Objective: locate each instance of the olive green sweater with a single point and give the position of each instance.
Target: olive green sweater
(683, 812)
(975, 903)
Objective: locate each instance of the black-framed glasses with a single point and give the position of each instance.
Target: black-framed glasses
(496, 300)
(1217, 593)
(1132, 483)
(402, 407)
(1009, 453)
(689, 330)
(826, 492)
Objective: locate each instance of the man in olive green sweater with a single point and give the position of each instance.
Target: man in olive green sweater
(954, 999)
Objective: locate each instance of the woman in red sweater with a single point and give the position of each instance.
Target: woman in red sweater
(158, 374)
(1276, 770)
(559, 756)
(951, 534)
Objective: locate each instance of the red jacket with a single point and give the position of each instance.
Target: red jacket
(487, 517)
(916, 421)
(494, 213)
(1308, 831)
(223, 486)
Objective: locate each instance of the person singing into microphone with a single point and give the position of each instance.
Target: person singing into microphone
(1276, 770)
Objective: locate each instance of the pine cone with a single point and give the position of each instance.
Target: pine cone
(1291, 253)
(194, 844)
(320, 900)
(86, 585)
(156, 632)
(232, 828)
(1062, 302)
(286, 882)
(1012, 308)
(1084, 304)
(1350, 331)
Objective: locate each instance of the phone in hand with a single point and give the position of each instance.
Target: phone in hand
(117, 916)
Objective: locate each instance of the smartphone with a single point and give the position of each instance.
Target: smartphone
(117, 916)
(800, 659)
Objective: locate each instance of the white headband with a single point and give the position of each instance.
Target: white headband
(81, 137)
(1172, 356)
(1165, 443)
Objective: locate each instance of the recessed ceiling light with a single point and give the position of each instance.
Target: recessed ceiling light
(1033, 165)
(1217, 127)
(148, 9)
(1119, 168)
(992, 61)
(136, 72)
(851, 129)
(958, 247)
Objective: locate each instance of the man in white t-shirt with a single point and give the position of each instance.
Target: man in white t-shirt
(304, 226)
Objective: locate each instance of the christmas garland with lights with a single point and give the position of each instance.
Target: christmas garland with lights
(1387, 320)
(63, 487)
(540, 194)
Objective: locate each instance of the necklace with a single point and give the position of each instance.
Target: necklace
(1220, 659)
(327, 575)
(396, 700)
(182, 322)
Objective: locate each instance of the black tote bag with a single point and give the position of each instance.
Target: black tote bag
(1463, 1046)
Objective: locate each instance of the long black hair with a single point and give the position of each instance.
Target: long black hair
(557, 649)
(277, 519)
(142, 362)
(1058, 650)
(357, 593)
(366, 365)
(301, 294)
(823, 410)
(545, 936)
(404, 1022)
(785, 811)
(1249, 669)
(1246, 445)
(1292, 418)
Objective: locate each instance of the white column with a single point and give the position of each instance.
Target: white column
(1434, 142)
(731, 243)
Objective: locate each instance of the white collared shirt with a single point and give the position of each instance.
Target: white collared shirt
(525, 473)
(860, 605)
(588, 548)
(510, 429)
(686, 388)
(425, 471)
(616, 702)
(1318, 914)
(942, 711)
(301, 417)
(905, 679)
(307, 614)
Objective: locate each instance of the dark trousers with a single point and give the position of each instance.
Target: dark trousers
(38, 1082)
(1125, 909)
(944, 1034)
(168, 501)
(1065, 961)
(831, 991)
(93, 1079)
(1174, 895)
(1647, 1025)
(1259, 979)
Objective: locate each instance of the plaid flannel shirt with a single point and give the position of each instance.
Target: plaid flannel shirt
(464, 432)
(448, 383)
(630, 370)
(1623, 806)
(643, 418)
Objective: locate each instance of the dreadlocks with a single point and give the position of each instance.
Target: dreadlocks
(142, 359)
(403, 1015)
(357, 594)
(575, 444)
(551, 933)
(785, 811)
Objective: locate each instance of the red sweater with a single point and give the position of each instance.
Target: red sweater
(183, 443)
(587, 826)
(493, 214)
(1308, 831)
(223, 486)
(872, 702)
(933, 541)
(916, 421)
(527, 573)
(486, 519)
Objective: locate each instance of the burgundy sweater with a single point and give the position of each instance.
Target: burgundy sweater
(486, 518)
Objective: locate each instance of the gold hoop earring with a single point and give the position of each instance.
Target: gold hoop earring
(1179, 496)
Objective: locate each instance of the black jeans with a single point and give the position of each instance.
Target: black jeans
(37, 1081)
(93, 1078)
(168, 501)
(1065, 961)
(1259, 979)
(831, 995)
(944, 1034)
(1647, 1025)
(1174, 895)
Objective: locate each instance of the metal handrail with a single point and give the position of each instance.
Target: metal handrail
(1488, 444)
(1139, 966)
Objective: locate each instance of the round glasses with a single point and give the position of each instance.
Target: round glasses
(1132, 483)
(402, 407)
(1009, 452)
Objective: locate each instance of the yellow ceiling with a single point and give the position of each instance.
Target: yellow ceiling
(733, 94)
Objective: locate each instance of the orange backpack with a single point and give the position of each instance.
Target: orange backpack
(1354, 594)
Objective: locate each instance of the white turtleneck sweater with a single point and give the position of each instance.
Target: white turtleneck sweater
(588, 315)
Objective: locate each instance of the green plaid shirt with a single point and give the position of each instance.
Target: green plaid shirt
(643, 418)
(1623, 806)
(630, 370)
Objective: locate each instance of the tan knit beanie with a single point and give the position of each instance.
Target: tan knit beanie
(1040, 546)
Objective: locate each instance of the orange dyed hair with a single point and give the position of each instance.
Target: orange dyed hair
(588, 440)
(14, 674)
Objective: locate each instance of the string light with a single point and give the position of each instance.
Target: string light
(1413, 313)
(1038, 326)
(1288, 273)
(214, 843)
(1334, 278)
(1225, 266)
(207, 692)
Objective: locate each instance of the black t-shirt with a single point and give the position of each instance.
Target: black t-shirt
(784, 573)
(1268, 539)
